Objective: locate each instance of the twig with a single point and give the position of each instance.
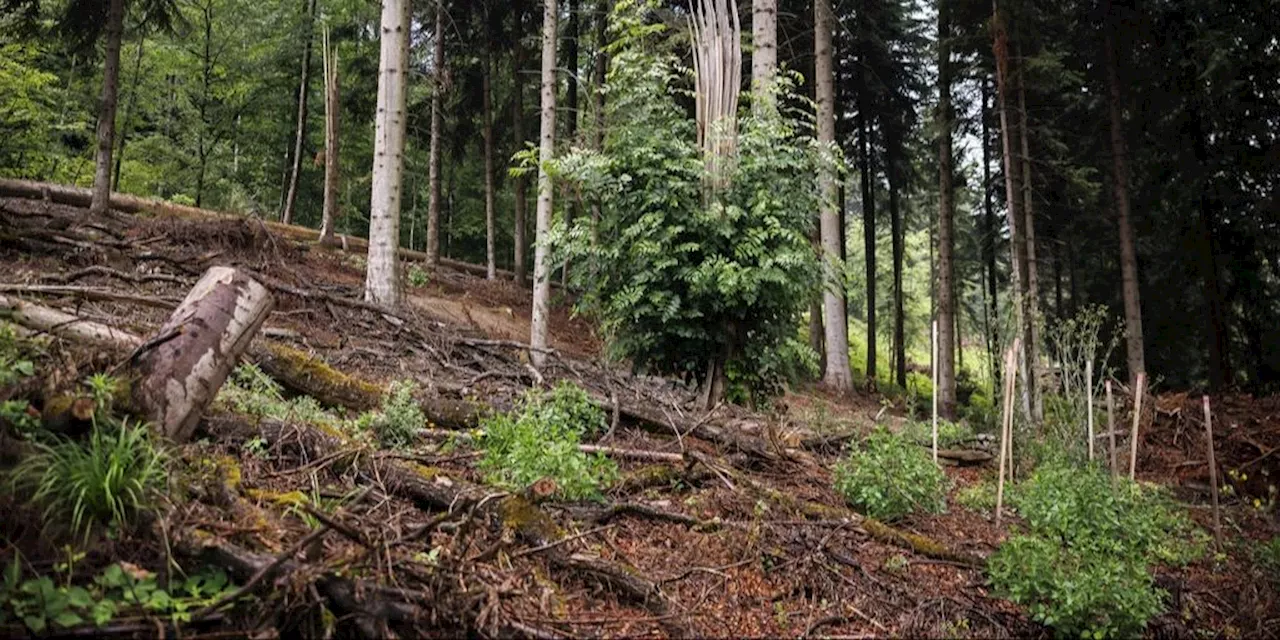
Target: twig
(1137, 417)
(556, 543)
(1111, 428)
(1006, 431)
(1213, 471)
(90, 293)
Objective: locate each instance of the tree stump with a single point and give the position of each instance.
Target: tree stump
(185, 364)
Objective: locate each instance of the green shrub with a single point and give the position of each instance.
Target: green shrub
(250, 391)
(950, 434)
(15, 356)
(1267, 555)
(1083, 568)
(540, 440)
(978, 497)
(889, 476)
(398, 422)
(102, 482)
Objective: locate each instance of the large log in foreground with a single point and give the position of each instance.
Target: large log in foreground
(182, 368)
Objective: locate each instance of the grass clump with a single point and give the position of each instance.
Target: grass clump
(1082, 568)
(890, 476)
(103, 482)
(540, 440)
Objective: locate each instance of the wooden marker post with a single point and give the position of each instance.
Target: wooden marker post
(935, 391)
(1006, 426)
(1088, 376)
(1213, 471)
(1111, 428)
(1138, 391)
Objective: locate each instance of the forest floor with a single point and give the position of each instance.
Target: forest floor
(724, 524)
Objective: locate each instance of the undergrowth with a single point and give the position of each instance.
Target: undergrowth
(889, 476)
(397, 423)
(250, 391)
(540, 440)
(1083, 566)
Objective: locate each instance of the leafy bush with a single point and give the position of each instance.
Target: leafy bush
(102, 482)
(397, 423)
(950, 434)
(540, 440)
(1267, 555)
(978, 497)
(250, 391)
(890, 476)
(15, 356)
(1083, 568)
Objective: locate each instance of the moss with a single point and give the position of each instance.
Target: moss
(229, 473)
(284, 499)
(321, 381)
(528, 521)
(423, 471)
(922, 545)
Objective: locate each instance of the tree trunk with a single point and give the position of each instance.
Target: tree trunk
(899, 296)
(764, 52)
(571, 208)
(989, 241)
(107, 110)
(946, 225)
(128, 111)
(382, 278)
(835, 319)
(332, 109)
(521, 182)
(304, 90)
(1032, 283)
(1120, 185)
(491, 264)
(196, 349)
(433, 165)
(600, 72)
(1013, 189)
(546, 151)
(869, 228)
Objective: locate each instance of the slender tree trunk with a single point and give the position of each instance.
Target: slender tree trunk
(1013, 190)
(128, 111)
(1032, 290)
(764, 52)
(946, 225)
(521, 182)
(899, 296)
(992, 230)
(433, 164)
(571, 210)
(304, 90)
(382, 277)
(599, 71)
(332, 110)
(107, 109)
(1120, 185)
(869, 228)
(546, 151)
(835, 320)
(491, 265)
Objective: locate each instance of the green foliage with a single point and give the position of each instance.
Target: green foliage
(540, 440)
(1267, 555)
(396, 425)
(418, 277)
(102, 482)
(250, 391)
(1083, 568)
(890, 476)
(978, 497)
(18, 414)
(119, 590)
(950, 434)
(680, 275)
(1074, 342)
(15, 356)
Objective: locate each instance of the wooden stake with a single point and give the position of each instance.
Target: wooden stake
(935, 391)
(1088, 375)
(1111, 428)
(1006, 426)
(1213, 471)
(1138, 391)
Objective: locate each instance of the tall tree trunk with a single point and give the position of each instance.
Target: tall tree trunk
(1032, 289)
(899, 296)
(107, 110)
(491, 265)
(992, 231)
(869, 226)
(1120, 185)
(518, 59)
(946, 225)
(546, 151)
(332, 109)
(128, 111)
(382, 277)
(1013, 190)
(599, 72)
(764, 52)
(304, 90)
(835, 320)
(1220, 374)
(571, 210)
(433, 163)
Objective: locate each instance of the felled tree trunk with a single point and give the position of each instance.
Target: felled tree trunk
(195, 350)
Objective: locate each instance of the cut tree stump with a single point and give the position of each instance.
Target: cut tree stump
(182, 368)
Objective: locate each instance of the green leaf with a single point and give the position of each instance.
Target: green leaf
(68, 619)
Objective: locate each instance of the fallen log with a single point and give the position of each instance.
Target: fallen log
(57, 323)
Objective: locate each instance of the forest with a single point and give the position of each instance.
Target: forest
(674, 318)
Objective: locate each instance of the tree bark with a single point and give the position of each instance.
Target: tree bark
(1120, 185)
(992, 230)
(571, 208)
(835, 318)
(600, 72)
(304, 90)
(869, 228)
(1034, 321)
(764, 52)
(491, 264)
(433, 166)
(521, 182)
(899, 296)
(332, 110)
(107, 110)
(128, 110)
(546, 152)
(382, 278)
(946, 225)
(196, 349)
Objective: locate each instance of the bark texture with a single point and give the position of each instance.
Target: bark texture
(835, 320)
(521, 183)
(382, 279)
(764, 41)
(491, 265)
(946, 225)
(433, 166)
(332, 109)
(546, 151)
(107, 110)
(197, 347)
(304, 90)
(1031, 288)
